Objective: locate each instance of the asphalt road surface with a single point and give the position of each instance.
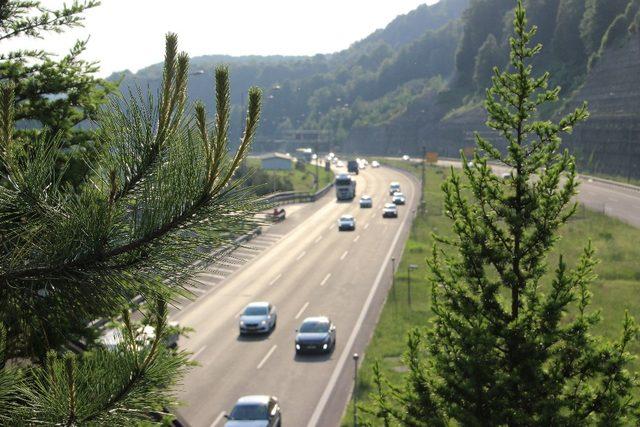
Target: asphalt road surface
(306, 267)
(618, 201)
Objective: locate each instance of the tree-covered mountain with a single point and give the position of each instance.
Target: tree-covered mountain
(301, 91)
(421, 79)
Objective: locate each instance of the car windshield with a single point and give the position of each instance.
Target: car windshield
(255, 311)
(346, 219)
(249, 412)
(314, 327)
(343, 181)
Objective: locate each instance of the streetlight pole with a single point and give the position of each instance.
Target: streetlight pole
(411, 267)
(393, 277)
(317, 162)
(355, 390)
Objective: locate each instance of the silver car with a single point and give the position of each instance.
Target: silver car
(257, 318)
(398, 198)
(255, 411)
(366, 202)
(347, 222)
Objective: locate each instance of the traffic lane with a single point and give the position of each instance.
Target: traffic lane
(611, 200)
(300, 381)
(207, 354)
(334, 399)
(235, 287)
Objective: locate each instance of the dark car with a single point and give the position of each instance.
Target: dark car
(255, 411)
(316, 335)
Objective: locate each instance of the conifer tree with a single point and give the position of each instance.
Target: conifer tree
(160, 199)
(59, 94)
(512, 343)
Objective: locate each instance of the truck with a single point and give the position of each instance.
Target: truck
(345, 187)
(352, 166)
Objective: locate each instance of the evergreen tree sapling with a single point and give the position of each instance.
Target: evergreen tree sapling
(511, 342)
(160, 199)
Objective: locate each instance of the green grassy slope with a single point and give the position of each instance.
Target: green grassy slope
(614, 291)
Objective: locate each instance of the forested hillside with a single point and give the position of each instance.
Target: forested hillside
(421, 80)
(311, 92)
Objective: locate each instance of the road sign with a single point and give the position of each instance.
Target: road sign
(432, 157)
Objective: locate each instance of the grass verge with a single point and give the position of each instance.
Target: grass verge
(297, 179)
(614, 291)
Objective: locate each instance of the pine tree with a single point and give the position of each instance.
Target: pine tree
(159, 200)
(511, 342)
(61, 95)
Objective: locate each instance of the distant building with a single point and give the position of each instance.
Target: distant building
(276, 161)
(304, 154)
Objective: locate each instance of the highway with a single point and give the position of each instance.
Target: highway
(306, 267)
(618, 201)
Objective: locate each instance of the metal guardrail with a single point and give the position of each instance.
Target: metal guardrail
(276, 198)
(610, 182)
(296, 196)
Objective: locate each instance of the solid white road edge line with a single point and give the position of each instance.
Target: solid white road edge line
(347, 348)
(265, 358)
(325, 279)
(304, 307)
(217, 420)
(275, 279)
(197, 353)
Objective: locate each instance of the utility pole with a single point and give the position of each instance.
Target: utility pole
(393, 277)
(355, 390)
(424, 155)
(409, 268)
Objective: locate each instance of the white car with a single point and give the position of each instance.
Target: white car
(340, 164)
(258, 317)
(255, 411)
(375, 164)
(346, 222)
(406, 158)
(394, 187)
(390, 210)
(398, 198)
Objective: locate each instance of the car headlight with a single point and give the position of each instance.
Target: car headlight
(242, 323)
(264, 322)
(324, 346)
(297, 346)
